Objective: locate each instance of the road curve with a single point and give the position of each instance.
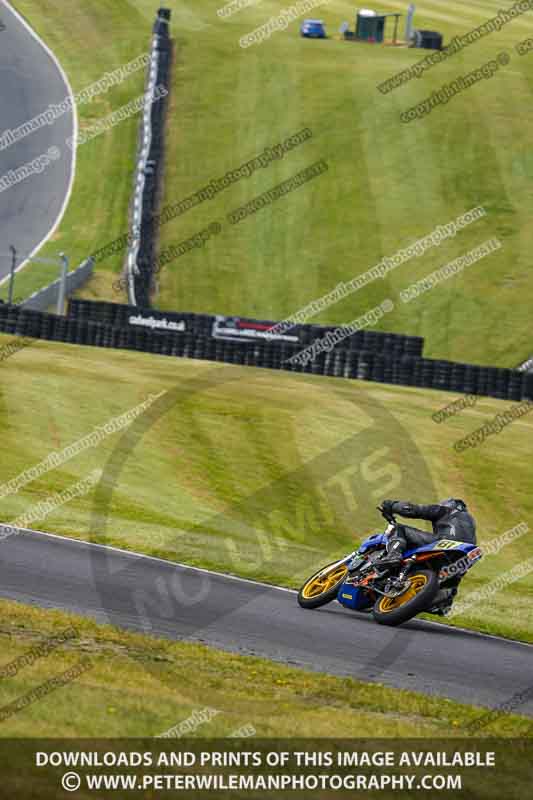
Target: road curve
(31, 80)
(153, 596)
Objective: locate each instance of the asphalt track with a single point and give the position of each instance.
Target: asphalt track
(153, 596)
(30, 80)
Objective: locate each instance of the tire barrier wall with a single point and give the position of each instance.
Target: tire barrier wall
(384, 367)
(44, 298)
(149, 166)
(237, 328)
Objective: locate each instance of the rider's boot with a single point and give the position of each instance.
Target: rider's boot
(394, 555)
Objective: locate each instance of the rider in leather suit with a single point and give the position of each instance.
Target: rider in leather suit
(450, 519)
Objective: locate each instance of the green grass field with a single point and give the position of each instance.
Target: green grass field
(388, 183)
(257, 472)
(138, 686)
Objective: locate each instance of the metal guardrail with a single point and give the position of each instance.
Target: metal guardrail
(47, 297)
(138, 192)
(137, 216)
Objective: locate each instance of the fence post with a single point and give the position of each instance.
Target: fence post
(12, 274)
(62, 285)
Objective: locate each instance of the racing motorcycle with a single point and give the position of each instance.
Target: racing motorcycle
(426, 580)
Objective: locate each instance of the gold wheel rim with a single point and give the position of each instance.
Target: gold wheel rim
(324, 581)
(416, 585)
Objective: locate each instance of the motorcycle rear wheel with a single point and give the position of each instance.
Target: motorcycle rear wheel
(323, 586)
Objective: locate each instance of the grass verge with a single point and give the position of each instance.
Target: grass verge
(138, 686)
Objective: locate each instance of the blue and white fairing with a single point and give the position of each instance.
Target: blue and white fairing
(375, 540)
(351, 596)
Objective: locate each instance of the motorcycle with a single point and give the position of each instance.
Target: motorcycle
(425, 581)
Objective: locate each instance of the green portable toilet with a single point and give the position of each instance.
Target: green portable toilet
(369, 26)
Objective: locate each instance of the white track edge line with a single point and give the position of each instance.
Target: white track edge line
(169, 563)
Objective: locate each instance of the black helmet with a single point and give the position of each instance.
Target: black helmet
(454, 503)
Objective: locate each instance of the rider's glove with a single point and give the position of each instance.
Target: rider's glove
(387, 505)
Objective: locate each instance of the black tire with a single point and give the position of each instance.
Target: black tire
(331, 591)
(409, 609)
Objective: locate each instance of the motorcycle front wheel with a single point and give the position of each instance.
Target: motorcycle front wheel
(323, 586)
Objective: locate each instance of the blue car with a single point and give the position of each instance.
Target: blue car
(313, 29)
